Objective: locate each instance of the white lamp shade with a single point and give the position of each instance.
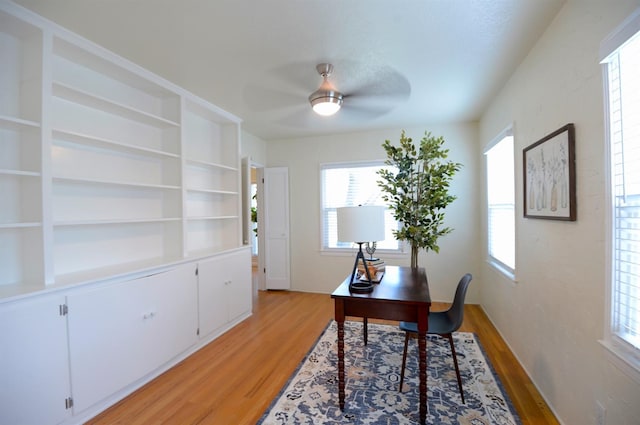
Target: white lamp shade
(361, 224)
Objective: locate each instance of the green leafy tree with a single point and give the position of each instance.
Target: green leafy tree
(418, 192)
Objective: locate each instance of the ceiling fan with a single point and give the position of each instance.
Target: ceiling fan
(325, 101)
(359, 90)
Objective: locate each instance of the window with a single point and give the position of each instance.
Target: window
(347, 185)
(621, 65)
(501, 203)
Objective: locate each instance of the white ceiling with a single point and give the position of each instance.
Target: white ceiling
(443, 59)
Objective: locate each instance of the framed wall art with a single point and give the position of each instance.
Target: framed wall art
(550, 176)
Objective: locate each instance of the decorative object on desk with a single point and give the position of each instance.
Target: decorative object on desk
(372, 395)
(419, 190)
(361, 224)
(371, 248)
(550, 176)
(376, 270)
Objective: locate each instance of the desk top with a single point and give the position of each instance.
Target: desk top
(403, 284)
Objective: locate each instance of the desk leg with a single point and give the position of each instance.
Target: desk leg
(365, 327)
(422, 348)
(339, 316)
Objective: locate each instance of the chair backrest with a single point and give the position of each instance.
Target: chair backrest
(456, 311)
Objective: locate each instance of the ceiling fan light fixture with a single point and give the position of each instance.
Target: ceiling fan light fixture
(325, 101)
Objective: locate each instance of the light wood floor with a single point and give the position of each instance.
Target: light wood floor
(234, 379)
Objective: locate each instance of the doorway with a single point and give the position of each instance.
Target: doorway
(252, 204)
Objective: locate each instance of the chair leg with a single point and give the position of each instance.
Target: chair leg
(365, 329)
(404, 359)
(455, 363)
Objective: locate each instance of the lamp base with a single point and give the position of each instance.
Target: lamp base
(356, 286)
(361, 287)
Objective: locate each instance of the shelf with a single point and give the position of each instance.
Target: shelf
(115, 183)
(17, 124)
(221, 217)
(91, 246)
(97, 102)
(86, 139)
(20, 289)
(114, 271)
(210, 164)
(213, 191)
(110, 78)
(25, 225)
(19, 173)
(114, 222)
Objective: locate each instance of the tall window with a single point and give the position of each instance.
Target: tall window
(347, 185)
(621, 54)
(501, 203)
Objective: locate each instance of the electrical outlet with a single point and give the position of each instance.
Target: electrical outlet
(600, 413)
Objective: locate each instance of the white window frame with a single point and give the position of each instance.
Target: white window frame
(497, 263)
(621, 353)
(401, 251)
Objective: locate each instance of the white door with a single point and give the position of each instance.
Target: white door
(276, 224)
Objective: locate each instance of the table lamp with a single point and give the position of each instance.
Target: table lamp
(360, 225)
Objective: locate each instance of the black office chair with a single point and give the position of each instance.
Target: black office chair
(442, 323)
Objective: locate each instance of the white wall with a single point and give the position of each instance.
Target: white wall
(253, 147)
(313, 272)
(554, 315)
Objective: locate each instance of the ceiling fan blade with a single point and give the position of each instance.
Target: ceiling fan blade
(261, 99)
(389, 85)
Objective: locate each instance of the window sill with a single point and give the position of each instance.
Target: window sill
(623, 359)
(338, 252)
(508, 273)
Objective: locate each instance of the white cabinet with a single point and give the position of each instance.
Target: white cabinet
(34, 365)
(224, 286)
(122, 332)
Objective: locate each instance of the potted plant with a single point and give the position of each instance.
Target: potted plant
(418, 191)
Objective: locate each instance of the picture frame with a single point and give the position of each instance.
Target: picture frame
(550, 176)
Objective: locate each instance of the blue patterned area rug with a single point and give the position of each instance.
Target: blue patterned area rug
(372, 377)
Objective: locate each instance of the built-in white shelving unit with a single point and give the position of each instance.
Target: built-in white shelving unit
(104, 165)
(120, 224)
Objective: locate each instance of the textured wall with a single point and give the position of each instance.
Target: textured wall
(553, 316)
(313, 272)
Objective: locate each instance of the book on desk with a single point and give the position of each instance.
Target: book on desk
(376, 268)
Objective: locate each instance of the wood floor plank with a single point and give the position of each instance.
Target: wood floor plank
(234, 379)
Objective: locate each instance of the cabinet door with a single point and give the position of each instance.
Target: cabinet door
(239, 287)
(34, 362)
(212, 281)
(224, 289)
(122, 332)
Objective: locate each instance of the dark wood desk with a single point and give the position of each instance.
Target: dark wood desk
(403, 295)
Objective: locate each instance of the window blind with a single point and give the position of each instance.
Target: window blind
(623, 70)
(347, 185)
(501, 202)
